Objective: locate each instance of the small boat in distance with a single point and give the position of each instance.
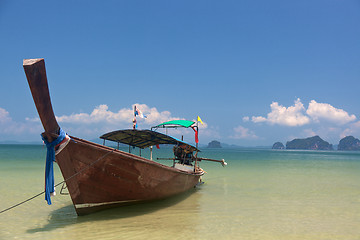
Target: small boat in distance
(100, 177)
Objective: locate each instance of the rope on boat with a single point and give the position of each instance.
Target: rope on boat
(49, 167)
(39, 194)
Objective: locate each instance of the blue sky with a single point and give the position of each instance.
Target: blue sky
(256, 72)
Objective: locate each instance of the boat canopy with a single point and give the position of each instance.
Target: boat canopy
(143, 138)
(175, 124)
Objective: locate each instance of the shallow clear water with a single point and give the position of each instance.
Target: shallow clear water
(261, 194)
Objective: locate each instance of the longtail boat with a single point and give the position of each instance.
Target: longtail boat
(99, 177)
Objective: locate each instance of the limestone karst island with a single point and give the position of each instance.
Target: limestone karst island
(348, 143)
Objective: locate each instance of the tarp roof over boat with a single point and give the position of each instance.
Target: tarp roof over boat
(143, 138)
(175, 124)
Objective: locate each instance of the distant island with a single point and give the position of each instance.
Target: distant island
(278, 145)
(311, 143)
(348, 143)
(214, 144)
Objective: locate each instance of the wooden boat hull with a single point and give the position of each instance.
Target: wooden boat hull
(98, 177)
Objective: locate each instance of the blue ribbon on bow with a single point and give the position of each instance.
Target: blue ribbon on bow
(49, 167)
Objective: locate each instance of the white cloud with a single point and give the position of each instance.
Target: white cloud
(297, 116)
(87, 125)
(322, 118)
(241, 132)
(258, 119)
(246, 119)
(353, 129)
(324, 111)
(4, 116)
(99, 114)
(10, 127)
(101, 120)
(356, 125)
(287, 116)
(35, 119)
(102, 114)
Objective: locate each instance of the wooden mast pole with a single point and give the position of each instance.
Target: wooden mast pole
(197, 145)
(36, 75)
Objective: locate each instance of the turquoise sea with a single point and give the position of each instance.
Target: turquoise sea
(261, 194)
